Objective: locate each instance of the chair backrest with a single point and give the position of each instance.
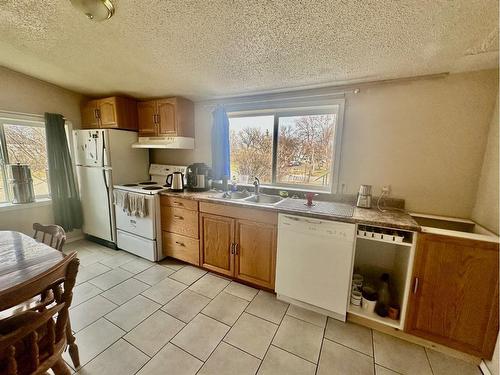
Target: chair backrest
(30, 341)
(52, 235)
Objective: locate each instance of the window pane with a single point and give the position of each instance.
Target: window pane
(26, 145)
(251, 143)
(3, 196)
(305, 149)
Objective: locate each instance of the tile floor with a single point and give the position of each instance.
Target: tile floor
(131, 316)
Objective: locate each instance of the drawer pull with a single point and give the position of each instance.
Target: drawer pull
(415, 286)
(178, 217)
(180, 243)
(178, 203)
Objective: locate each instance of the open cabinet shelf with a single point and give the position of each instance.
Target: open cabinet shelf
(374, 256)
(358, 311)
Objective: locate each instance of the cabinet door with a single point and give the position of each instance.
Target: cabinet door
(454, 300)
(146, 114)
(217, 239)
(107, 113)
(89, 115)
(167, 117)
(255, 260)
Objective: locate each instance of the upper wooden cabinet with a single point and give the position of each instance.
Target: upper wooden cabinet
(166, 117)
(454, 300)
(110, 113)
(239, 242)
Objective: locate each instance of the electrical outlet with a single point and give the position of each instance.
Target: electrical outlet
(386, 189)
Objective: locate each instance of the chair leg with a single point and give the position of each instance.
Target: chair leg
(60, 368)
(73, 348)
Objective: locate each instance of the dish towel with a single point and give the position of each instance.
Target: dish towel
(137, 205)
(120, 198)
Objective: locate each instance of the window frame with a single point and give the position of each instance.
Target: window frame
(21, 120)
(335, 106)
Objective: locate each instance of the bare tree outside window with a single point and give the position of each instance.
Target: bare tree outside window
(251, 143)
(304, 154)
(305, 149)
(27, 145)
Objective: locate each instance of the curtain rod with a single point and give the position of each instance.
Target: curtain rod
(25, 114)
(319, 92)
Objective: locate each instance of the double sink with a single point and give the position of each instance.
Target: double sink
(243, 196)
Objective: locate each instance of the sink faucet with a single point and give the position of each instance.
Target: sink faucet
(256, 183)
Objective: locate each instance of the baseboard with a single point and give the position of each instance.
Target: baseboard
(484, 369)
(75, 238)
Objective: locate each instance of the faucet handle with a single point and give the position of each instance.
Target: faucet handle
(256, 181)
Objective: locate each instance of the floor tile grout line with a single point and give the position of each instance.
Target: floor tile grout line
(272, 339)
(303, 320)
(428, 360)
(373, 351)
(387, 368)
(348, 347)
(102, 351)
(321, 347)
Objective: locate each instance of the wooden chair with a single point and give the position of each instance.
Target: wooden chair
(32, 341)
(55, 236)
(55, 233)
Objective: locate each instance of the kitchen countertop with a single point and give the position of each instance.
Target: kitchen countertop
(390, 219)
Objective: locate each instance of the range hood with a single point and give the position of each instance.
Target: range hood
(165, 142)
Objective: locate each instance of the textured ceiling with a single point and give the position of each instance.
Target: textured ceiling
(203, 49)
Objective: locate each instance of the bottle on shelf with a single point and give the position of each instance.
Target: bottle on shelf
(384, 296)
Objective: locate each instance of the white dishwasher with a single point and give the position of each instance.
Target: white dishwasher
(314, 263)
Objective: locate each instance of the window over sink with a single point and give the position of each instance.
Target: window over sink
(289, 148)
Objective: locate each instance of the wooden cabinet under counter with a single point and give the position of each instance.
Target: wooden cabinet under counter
(454, 298)
(239, 242)
(181, 247)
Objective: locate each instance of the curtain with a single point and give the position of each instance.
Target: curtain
(220, 145)
(65, 200)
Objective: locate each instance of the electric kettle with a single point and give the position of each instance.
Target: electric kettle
(175, 181)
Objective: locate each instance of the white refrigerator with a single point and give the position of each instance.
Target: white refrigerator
(103, 158)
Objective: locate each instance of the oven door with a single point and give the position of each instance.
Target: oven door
(139, 226)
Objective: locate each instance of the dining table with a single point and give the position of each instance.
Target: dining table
(23, 260)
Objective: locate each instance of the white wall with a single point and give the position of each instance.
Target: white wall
(485, 210)
(20, 93)
(425, 138)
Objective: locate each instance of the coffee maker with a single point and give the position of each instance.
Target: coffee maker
(364, 196)
(198, 177)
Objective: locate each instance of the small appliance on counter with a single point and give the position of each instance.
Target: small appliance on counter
(198, 176)
(175, 181)
(20, 183)
(364, 196)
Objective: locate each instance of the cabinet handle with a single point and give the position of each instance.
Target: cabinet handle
(236, 248)
(180, 243)
(232, 248)
(97, 113)
(178, 203)
(415, 286)
(178, 217)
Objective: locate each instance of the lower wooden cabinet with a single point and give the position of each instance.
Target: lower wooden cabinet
(239, 248)
(255, 260)
(454, 300)
(217, 243)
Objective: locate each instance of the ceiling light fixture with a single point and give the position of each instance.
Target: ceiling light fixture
(95, 10)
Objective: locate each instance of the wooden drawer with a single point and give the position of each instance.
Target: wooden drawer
(179, 221)
(181, 247)
(188, 204)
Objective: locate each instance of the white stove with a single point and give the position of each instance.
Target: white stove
(157, 183)
(142, 235)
